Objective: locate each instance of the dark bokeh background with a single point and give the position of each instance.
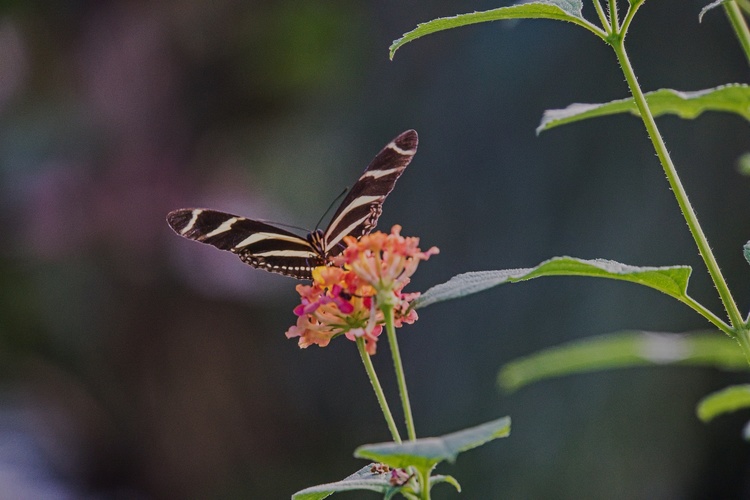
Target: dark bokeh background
(135, 364)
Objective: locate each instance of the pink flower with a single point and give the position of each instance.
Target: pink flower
(332, 306)
(315, 296)
(350, 299)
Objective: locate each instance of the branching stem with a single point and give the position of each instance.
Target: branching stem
(737, 328)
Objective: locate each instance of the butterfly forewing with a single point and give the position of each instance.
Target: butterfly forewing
(267, 247)
(256, 243)
(359, 212)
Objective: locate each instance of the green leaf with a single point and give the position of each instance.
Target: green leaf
(743, 164)
(732, 98)
(622, 350)
(364, 479)
(671, 280)
(560, 10)
(726, 400)
(436, 479)
(708, 7)
(425, 453)
(746, 251)
(370, 478)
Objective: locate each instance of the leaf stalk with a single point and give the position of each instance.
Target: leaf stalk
(710, 316)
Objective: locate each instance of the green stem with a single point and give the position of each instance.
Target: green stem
(424, 480)
(613, 21)
(737, 20)
(370, 369)
(730, 306)
(398, 366)
(632, 9)
(602, 16)
(710, 316)
(743, 338)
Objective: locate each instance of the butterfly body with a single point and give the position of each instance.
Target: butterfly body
(276, 250)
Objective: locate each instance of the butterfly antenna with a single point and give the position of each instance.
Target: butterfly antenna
(330, 207)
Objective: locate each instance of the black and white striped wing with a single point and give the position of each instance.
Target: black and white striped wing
(256, 243)
(267, 247)
(358, 213)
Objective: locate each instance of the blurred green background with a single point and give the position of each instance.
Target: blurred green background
(135, 364)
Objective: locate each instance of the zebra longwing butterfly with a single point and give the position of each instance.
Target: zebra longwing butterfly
(264, 246)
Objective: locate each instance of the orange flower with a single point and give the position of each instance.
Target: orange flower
(350, 299)
(329, 307)
(384, 261)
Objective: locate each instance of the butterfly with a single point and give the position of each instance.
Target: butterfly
(277, 250)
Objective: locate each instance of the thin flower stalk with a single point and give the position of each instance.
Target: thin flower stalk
(400, 377)
(386, 263)
(370, 369)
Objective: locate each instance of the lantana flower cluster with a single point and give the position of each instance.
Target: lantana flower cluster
(352, 295)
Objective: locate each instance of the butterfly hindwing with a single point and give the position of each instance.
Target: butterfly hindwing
(268, 247)
(359, 212)
(259, 244)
